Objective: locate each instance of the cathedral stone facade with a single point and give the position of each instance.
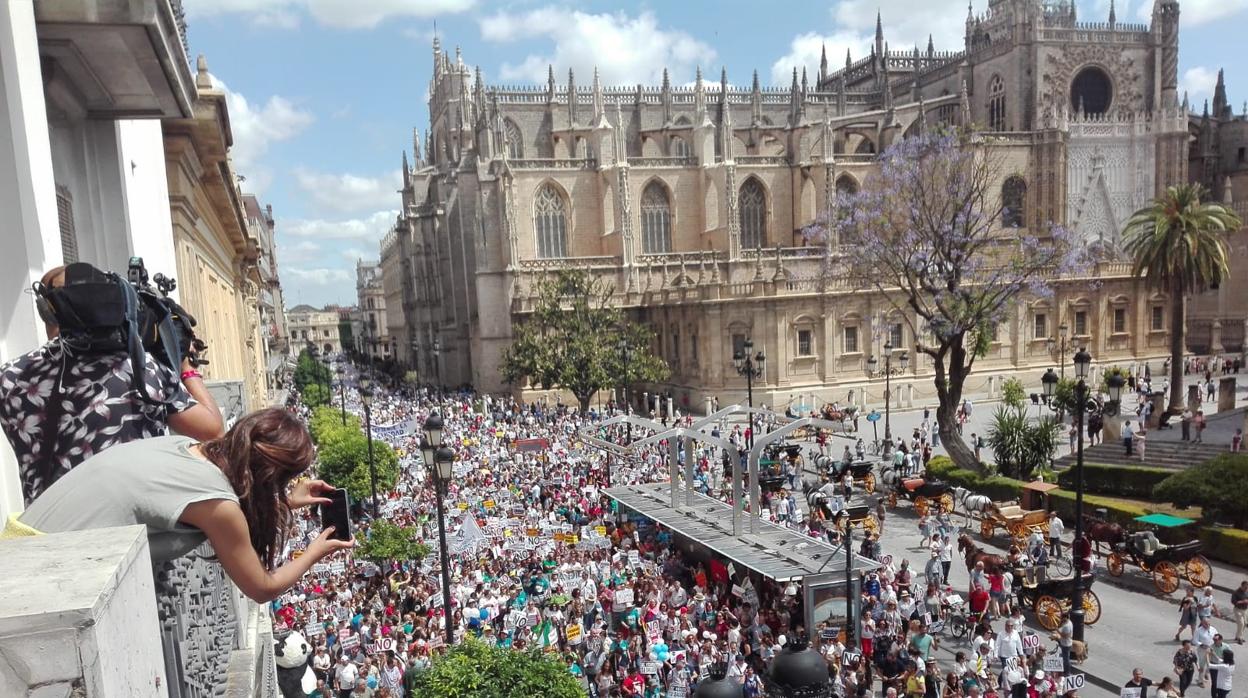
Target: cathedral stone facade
(690, 202)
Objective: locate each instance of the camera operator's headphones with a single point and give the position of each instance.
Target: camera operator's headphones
(95, 312)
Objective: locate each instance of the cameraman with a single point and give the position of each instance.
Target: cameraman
(58, 407)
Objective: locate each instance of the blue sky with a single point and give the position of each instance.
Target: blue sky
(324, 94)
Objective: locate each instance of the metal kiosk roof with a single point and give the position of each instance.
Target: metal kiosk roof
(775, 552)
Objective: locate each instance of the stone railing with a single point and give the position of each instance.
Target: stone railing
(663, 161)
(553, 163)
(762, 159)
(555, 263)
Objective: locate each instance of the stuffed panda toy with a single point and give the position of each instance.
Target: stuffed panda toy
(293, 655)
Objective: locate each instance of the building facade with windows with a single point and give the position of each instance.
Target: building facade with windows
(690, 201)
(374, 337)
(318, 327)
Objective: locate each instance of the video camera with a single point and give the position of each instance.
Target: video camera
(99, 312)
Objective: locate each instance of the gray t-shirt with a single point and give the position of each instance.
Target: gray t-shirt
(149, 482)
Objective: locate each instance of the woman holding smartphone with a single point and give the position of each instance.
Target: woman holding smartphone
(234, 491)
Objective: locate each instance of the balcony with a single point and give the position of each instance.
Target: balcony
(118, 59)
(80, 613)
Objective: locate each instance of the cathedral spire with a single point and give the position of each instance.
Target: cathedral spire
(848, 61)
(571, 98)
(723, 85)
(699, 98)
(965, 104)
(550, 82)
(1219, 97)
(931, 48)
(1113, 18)
(416, 146)
(599, 114)
(879, 33)
(805, 84)
(823, 63)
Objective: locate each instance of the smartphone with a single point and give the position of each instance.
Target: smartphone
(336, 514)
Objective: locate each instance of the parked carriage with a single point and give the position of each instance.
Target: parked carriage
(855, 516)
(771, 466)
(1167, 563)
(863, 471)
(926, 493)
(1048, 598)
(1017, 521)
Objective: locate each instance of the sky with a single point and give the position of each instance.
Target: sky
(324, 94)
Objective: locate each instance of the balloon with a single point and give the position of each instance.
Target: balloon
(485, 614)
(372, 682)
(654, 654)
(663, 656)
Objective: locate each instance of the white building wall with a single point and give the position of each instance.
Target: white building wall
(31, 239)
(145, 192)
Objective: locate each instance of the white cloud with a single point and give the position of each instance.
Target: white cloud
(1198, 82)
(806, 50)
(340, 14)
(626, 49)
(349, 193)
(907, 23)
(322, 276)
(255, 128)
(1194, 13)
(371, 228)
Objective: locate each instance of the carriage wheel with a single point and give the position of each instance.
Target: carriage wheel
(892, 499)
(1062, 567)
(1144, 565)
(946, 502)
(1049, 612)
(920, 505)
(1166, 577)
(1198, 571)
(871, 524)
(1017, 530)
(868, 483)
(987, 528)
(1091, 607)
(1115, 564)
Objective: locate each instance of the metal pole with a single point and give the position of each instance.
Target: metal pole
(888, 397)
(1076, 594)
(372, 466)
(749, 392)
(342, 393)
(446, 560)
(850, 635)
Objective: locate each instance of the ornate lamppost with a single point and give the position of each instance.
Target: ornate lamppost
(440, 462)
(342, 392)
(366, 399)
(799, 671)
(752, 366)
(872, 368)
(1060, 345)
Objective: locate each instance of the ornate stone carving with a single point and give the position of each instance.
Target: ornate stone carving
(198, 612)
(1065, 64)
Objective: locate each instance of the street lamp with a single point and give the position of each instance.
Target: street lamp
(437, 361)
(342, 392)
(440, 462)
(625, 357)
(872, 366)
(1060, 344)
(752, 366)
(1083, 362)
(366, 399)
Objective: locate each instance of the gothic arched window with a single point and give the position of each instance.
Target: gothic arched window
(752, 208)
(515, 141)
(680, 147)
(550, 222)
(1013, 202)
(656, 220)
(996, 104)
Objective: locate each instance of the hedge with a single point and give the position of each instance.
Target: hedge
(1117, 511)
(1225, 544)
(1115, 480)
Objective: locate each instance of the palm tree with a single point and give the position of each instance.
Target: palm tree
(1179, 245)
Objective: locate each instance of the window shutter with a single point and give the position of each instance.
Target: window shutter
(65, 217)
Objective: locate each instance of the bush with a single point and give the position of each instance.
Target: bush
(1219, 486)
(343, 455)
(939, 465)
(1022, 445)
(473, 669)
(1013, 393)
(1115, 480)
(1225, 544)
(386, 541)
(1117, 511)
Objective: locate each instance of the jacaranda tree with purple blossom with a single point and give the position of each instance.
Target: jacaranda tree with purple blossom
(927, 233)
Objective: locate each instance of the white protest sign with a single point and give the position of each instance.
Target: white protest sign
(850, 658)
(1074, 682)
(351, 642)
(341, 613)
(385, 644)
(337, 567)
(1030, 643)
(737, 590)
(649, 667)
(313, 630)
(634, 558)
(677, 691)
(886, 560)
(1053, 664)
(624, 597)
(829, 633)
(936, 626)
(1130, 692)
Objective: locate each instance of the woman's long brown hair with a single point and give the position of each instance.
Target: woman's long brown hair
(260, 455)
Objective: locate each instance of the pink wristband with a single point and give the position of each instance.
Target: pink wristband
(192, 374)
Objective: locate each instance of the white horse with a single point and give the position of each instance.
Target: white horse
(972, 501)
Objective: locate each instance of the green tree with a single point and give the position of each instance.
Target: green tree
(342, 455)
(1219, 486)
(1020, 444)
(1179, 246)
(309, 371)
(1013, 393)
(473, 669)
(930, 234)
(571, 341)
(386, 541)
(315, 395)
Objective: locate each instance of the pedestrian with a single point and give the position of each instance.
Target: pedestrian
(1225, 667)
(1185, 661)
(1185, 423)
(1210, 390)
(1237, 441)
(1138, 681)
(1141, 440)
(1065, 640)
(1199, 422)
(1073, 434)
(1128, 437)
(1206, 606)
(975, 441)
(1056, 528)
(1239, 606)
(1187, 617)
(1203, 639)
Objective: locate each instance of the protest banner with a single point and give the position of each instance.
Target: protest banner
(624, 597)
(650, 667)
(1053, 663)
(313, 630)
(350, 642)
(829, 633)
(573, 633)
(385, 644)
(1073, 682)
(1130, 692)
(850, 658)
(1030, 643)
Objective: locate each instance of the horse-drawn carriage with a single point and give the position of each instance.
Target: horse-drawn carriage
(924, 492)
(1016, 521)
(1049, 597)
(842, 415)
(771, 475)
(855, 516)
(1167, 563)
(863, 471)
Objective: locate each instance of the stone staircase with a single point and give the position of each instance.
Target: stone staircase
(1158, 454)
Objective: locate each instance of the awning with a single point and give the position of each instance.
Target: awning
(775, 552)
(276, 361)
(1164, 520)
